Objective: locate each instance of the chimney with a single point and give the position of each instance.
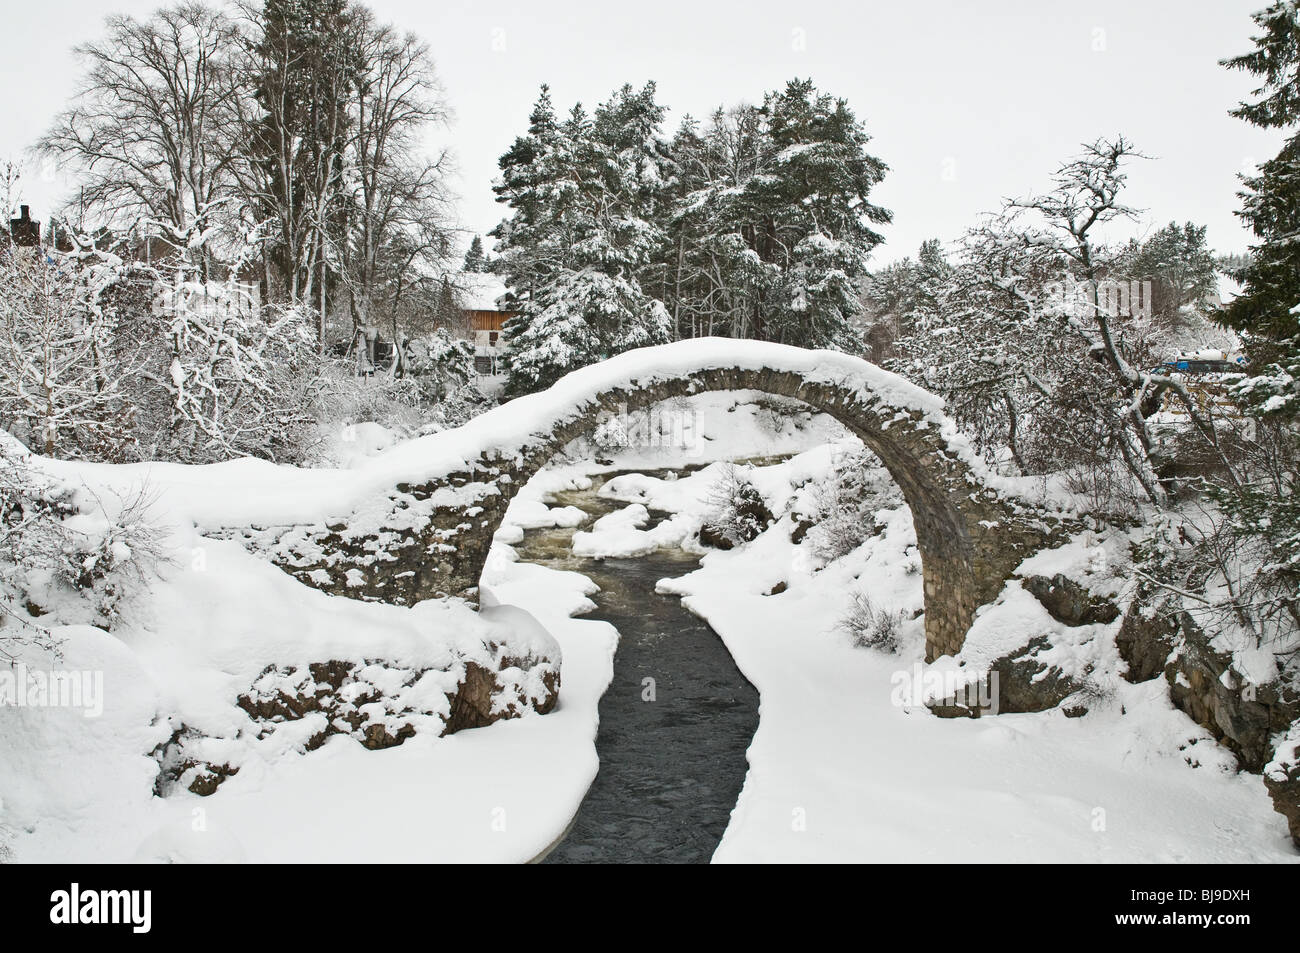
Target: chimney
(23, 230)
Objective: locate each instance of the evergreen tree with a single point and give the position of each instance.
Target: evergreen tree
(474, 258)
(1180, 266)
(521, 189)
(823, 218)
(1266, 310)
(1257, 517)
(758, 225)
(900, 295)
(773, 222)
(582, 192)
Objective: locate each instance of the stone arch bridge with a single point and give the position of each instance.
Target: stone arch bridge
(425, 527)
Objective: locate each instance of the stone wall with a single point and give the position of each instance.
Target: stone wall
(1257, 723)
(338, 697)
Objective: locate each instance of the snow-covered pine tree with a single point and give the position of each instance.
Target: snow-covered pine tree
(582, 194)
(773, 222)
(475, 261)
(898, 295)
(1180, 266)
(1268, 309)
(822, 218)
(521, 188)
(1245, 546)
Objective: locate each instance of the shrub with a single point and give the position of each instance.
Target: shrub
(440, 364)
(76, 564)
(736, 511)
(869, 626)
(846, 504)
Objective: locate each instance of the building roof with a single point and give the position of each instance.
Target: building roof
(479, 291)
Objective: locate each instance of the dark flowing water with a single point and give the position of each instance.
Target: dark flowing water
(671, 768)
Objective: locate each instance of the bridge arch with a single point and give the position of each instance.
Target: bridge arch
(432, 536)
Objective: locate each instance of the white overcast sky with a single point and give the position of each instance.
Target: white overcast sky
(967, 102)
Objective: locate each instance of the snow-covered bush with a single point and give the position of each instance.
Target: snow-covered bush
(439, 363)
(442, 366)
(870, 626)
(73, 563)
(845, 505)
(94, 365)
(1104, 486)
(458, 407)
(1096, 689)
(63, 388)
(431, 389)
(737, 512)
(670, 424)
(1231, 560)
(221, 385)
(344, 396)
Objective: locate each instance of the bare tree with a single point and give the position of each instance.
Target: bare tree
(11, 176)
(152, 126)
(1086, 196)
(397, 196)
(59, 385)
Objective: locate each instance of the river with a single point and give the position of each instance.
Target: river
(672, 750)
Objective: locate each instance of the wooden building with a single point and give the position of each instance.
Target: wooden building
(485, 320)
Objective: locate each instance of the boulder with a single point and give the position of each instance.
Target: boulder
(1145, 643)
(1243, 717)
(343, 697)
(1068, 602)
(1026, 684)
(1282, 779)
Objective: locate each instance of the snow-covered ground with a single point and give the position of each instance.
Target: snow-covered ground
(844, 768)
(838, 770)
(78, 788)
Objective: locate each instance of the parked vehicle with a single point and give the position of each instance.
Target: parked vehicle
(1202, 363)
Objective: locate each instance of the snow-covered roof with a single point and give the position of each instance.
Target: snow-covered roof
(479, 291)
(1229, 288)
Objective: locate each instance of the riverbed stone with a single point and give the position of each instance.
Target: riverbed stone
(1027, 684)
(1160, 638)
